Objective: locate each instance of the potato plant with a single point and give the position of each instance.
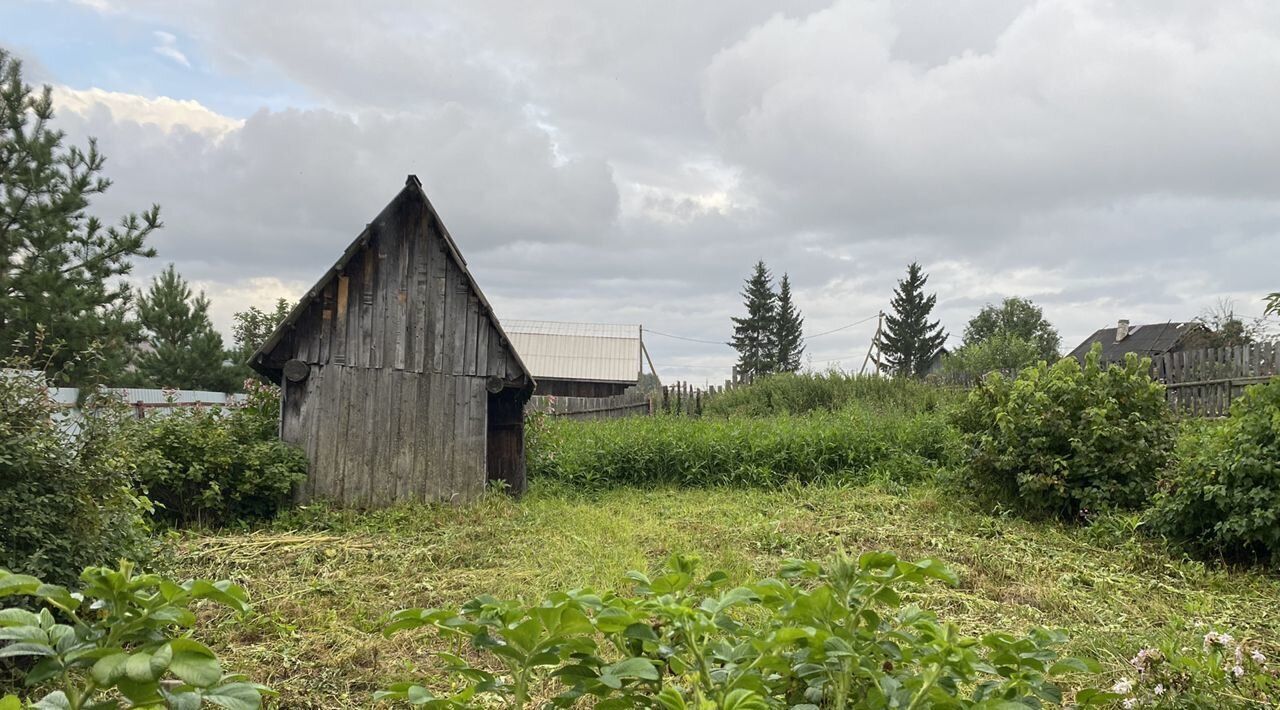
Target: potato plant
(119, 643)
(833, 636)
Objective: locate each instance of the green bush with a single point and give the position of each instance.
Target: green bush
(1067, 440)
(215, 465)
(801, 393)
(667, 450)
(834, 636)
(1223, 496)
(66, 500)
(120, 642)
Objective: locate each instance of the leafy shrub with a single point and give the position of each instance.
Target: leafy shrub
(770, 451)
(66, 500)
(214, 465)
(120, 634)
(1219, 672)
(801, 393)
(1223, 496)
(1064, 440)
(1001, 352)
(832, 636)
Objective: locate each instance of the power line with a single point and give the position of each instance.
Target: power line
(721, 342)
(681, 337)
(843, 327)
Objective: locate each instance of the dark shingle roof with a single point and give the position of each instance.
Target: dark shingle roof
(1145, 340)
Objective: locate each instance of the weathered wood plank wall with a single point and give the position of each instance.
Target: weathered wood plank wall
(400, 349)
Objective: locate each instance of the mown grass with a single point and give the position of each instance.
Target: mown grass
(322, 580)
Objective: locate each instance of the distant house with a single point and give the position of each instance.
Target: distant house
(936, 362)
(578, 359)
(1150, 340)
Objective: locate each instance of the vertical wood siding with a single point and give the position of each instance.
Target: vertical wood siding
(400, 348)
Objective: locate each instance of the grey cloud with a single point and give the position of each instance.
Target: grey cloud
(628, 162)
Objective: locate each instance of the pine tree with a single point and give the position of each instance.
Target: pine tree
(59, 268)
(753, 336)
(182, 350)
(910, 341)
(788, 331)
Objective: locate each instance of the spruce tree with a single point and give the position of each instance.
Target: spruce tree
(910, 341)
(59, 268)
(182, 350)
(789, 330)
(753, 335)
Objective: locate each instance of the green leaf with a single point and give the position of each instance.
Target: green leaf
(18, 617)
(27, 649)
(57, 700)
(11, 584)
(109, 668)
(194, 663)
(743, 699)
(641, 668)
(10, 702)
(670, 699)
(235, 696)
(143, 667)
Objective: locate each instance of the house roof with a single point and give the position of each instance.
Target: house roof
(412, 190)
(1146, 340)
(594, 352)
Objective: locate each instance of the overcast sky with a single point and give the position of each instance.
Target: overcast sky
(629, 161)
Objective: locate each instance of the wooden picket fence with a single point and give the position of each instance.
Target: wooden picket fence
(1203, 383)
(628, 404)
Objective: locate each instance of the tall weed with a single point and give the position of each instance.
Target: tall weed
(830, 391)
(769, 451)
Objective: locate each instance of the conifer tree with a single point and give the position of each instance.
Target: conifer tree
(789, 331)
(910, 341)
(59, 268)
(753, 335)
(182, 349)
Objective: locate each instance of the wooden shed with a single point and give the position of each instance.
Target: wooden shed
(398, 380)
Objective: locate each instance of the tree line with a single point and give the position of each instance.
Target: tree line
(1005, 336)
(65, 303)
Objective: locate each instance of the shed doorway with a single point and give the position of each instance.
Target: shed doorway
(505, 460)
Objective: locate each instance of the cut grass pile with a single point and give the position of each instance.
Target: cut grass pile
(322, 582)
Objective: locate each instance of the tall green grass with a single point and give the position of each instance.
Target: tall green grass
(854, 445)
(829, 392)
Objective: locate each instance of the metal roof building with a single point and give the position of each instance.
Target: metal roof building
(578, 359)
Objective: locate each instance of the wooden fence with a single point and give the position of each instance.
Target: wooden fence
(1198, 383)
(629, 404)
(1203, 383)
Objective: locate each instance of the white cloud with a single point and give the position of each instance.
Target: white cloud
(168, 48)
(162, 112)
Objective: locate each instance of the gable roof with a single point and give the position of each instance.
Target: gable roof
(412, 190)
(594, 352)
(1145, 340)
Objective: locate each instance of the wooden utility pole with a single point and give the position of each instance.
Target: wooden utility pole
(874, 347)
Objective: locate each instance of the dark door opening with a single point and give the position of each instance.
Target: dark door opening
(505, 456)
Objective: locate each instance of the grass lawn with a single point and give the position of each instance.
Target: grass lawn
(320, 581)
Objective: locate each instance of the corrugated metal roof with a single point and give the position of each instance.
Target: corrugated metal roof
(597, 352)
